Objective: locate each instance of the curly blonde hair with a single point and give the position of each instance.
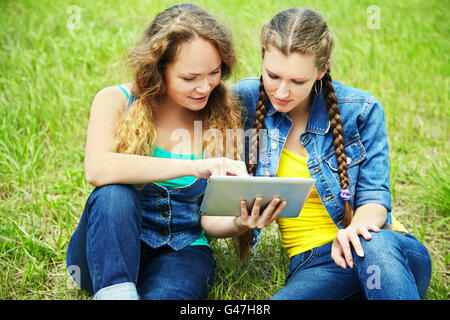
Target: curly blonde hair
(136, 133)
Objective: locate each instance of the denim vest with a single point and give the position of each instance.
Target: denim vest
(365, 139)
(170, 215)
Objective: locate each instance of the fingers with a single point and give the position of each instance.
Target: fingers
(224, 166)
(345, 249)
(336, 255)
(274, 209)
(348, 238)
(257, 219)
(256, 207)
(244, 211)
(234, 167)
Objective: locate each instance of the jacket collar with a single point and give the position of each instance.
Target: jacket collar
(318, 117)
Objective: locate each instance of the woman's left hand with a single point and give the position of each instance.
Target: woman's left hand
(341, 250)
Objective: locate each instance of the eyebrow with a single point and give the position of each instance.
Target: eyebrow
(295, 79)
(197, 74)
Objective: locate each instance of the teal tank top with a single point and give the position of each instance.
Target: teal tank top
(179, 182)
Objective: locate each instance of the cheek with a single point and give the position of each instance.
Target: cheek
(214, 82)
(270, 85)
(302, 92)
(178, 87)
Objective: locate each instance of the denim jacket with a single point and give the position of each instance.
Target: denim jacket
(170, 215)
(365, 139)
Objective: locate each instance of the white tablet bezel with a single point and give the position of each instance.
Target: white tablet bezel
(223, 194)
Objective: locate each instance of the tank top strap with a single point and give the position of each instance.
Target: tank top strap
(131, 98)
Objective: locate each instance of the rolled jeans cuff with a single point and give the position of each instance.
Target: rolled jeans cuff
(120, 291)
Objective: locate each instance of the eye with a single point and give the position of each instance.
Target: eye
(188, 79)
(272, 76)
(298, 82)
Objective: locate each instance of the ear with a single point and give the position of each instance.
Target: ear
(324, 70)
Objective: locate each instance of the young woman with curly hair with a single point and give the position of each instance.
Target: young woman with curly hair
(140, 234)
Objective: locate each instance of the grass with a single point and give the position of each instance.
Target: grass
(49, 74)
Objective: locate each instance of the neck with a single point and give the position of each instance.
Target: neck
(167, 109)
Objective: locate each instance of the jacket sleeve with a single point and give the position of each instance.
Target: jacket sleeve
(373, 183)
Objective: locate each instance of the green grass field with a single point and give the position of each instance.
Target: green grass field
(54, 58)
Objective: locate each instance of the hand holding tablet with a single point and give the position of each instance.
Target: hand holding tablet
(223, 194)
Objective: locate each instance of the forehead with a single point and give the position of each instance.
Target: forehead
(196, 56)
(294, 65)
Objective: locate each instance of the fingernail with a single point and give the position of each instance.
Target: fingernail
(350, 264)
(360, 253)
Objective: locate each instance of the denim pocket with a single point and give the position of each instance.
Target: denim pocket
(300, 261)
(355, 154)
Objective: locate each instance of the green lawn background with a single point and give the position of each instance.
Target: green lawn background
(56, 55)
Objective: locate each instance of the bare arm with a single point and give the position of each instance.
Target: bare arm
(102, 166)
(370, 213)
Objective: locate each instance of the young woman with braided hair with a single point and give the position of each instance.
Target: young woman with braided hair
(339, 246)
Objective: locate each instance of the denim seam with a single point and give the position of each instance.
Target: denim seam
(369, 103)
(323, 177)
(303, 264)
(97, 274)
(360, 280)
(354, 162)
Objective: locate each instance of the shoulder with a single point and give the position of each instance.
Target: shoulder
(113, 97)
(247, 89)
(355, 101)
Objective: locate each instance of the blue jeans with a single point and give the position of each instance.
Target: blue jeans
(394, 266)
(106, 256)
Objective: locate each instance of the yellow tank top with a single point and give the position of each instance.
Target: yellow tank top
(313, 227)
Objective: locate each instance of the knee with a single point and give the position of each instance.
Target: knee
(114, 199)
(382, 244)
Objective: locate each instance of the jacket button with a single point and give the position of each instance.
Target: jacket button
(165, 214)
(274, 145)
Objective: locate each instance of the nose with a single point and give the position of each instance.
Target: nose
(282, 91)
(204, 87)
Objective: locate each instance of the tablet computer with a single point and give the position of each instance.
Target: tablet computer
(223, 194)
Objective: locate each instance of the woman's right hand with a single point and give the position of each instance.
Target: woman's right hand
(257, 219)
(218, 167)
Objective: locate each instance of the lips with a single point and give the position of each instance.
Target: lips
(281, 102)
(201, 99)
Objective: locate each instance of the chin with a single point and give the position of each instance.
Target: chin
(195, 107)
(284, 109)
